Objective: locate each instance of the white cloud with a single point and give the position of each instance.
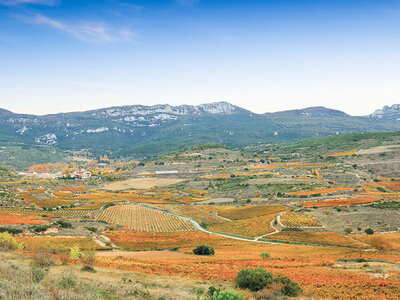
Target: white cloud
(93, 32)
(18, 2)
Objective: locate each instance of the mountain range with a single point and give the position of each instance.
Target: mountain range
(142, 131)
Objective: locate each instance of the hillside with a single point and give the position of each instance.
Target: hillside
(143, 131)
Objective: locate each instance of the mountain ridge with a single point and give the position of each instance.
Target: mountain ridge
(141, 130)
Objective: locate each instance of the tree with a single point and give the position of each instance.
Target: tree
(369, 231)
(204, 250)
(254, 279)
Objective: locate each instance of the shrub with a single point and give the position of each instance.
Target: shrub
(265, 255)
(88, 260)
(91, 229)
(38, 273)
(10, 230)
(39, 228)
(226, 295)
(369, 231)
(64, 224)
(289, 288)
(75, 253)
(204, 250)
(8, 242)
(254, 279)
(43, 259)
(67, 281)
(348, 230)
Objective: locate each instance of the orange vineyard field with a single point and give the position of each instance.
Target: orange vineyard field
(320, 191)
(292, 219)
(339, 202)
(8, 219)
(323, 238)
(251, 211)
(310, 266)
(141, 218)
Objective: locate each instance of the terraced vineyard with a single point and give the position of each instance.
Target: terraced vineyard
(61, 213)
(140, 218)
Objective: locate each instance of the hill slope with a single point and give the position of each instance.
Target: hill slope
(143, 131)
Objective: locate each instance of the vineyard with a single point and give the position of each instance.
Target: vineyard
(10, 219)
(320, 191)
(251, 211)
(339, 202)
(321, 238)
(55, 213)
(140, 218)
(293, 219)
(391, 185)
(344, 153)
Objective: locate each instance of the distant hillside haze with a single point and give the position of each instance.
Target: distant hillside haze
(143, 131)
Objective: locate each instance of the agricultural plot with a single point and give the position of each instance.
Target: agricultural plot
(320, 191)
(141, 183)
(11, 219)
(293, 219)
(251, 211)
(390, 185)
(249, 227)
(339, 202)
(194, 213)
(389, 241)
(46, 203)
(55, 213)
(59, 243)
(319, 238)
(136, 217)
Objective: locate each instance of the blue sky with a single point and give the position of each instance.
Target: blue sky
(62, 55)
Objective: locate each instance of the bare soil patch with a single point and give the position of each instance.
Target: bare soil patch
(141, 183)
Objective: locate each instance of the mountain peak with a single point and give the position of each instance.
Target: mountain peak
(221, 107)
(387, 112)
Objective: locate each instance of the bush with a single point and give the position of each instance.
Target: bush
(8, 242)
(64, 224)
(265, 255)
(226, 295)
(204, 250)
(38, 273)
(91, 229)
(10, 230)
(348, 230)
(289, 288)
(39, 228)
(67, 281)
(254, 279)
(88, 260)
(369, 231)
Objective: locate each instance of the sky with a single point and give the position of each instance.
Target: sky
(262, 55)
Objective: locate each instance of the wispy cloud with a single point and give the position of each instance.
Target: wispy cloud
(19, 2)
(93, 32)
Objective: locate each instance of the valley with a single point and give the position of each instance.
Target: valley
(324, 212)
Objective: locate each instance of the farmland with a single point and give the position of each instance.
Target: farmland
(141, 218)
(314, 214)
